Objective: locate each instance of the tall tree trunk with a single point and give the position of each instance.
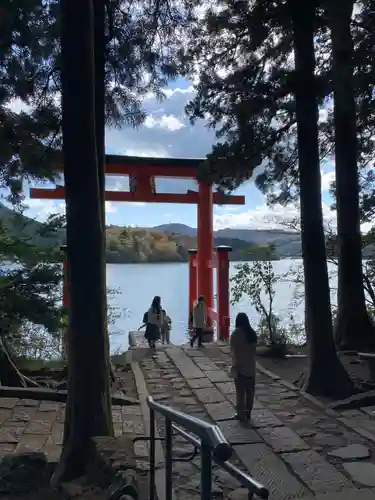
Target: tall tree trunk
(88, 410)
(354, 328)
(326, 375)
(99, 56)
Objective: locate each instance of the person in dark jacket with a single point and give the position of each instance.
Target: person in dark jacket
(154, 322)
(243, 342)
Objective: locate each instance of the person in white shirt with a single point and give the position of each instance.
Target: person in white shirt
(166, 328)
(199, 321)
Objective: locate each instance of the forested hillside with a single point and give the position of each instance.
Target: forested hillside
(150, 245)
(129, 244)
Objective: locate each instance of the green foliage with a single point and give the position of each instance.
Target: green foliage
(247, 81)
(262, 252)
(34, 342)
(30, 295)
(136, 62)
(257, 282)
(278, 346)
(242, 52)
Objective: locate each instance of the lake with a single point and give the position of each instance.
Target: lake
(137, 284)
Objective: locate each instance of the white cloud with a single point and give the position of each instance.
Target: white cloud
(168, 122)
(227, 209)
(327, 178)
(171, 92)
(110, 207)
(277, 217)
(42, 209)
(16, 105)
(264, 217)
(158, 152)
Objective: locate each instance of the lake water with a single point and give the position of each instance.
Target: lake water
(137, 284)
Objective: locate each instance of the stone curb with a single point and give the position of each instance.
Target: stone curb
(55, 396)
(159, 453)
(331, 413)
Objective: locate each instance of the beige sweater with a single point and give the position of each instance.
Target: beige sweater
(199, 315)
(243, 354)
(154, 318)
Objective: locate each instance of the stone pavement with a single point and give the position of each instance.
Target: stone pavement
(298, 449)
(294, 446)
(30, 425)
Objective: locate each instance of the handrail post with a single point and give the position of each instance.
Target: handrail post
(152, 456)
(206, 472)
(168, 459)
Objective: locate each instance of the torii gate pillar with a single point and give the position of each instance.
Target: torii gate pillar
(205, 245)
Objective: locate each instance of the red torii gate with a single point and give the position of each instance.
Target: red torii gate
(142, 172)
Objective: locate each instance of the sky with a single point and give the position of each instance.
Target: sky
(167, 132)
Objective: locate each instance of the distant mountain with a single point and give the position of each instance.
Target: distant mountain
(175, 228)
(20, 225)
(287, 243)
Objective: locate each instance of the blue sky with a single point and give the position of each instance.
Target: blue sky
(167, 132)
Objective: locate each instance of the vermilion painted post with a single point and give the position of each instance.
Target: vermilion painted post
(65, 293)
(222, 269)
(193, 291)
(205, 244)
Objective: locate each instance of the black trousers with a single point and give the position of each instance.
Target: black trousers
(198, 334)
(245, 389)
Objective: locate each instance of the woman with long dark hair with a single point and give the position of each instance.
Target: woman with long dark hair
(243, 343)
(154, 322)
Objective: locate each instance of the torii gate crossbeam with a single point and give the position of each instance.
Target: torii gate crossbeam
(142, 172)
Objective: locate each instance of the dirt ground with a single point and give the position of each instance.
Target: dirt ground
(290, 368)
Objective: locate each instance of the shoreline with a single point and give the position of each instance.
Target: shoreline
(186, 262)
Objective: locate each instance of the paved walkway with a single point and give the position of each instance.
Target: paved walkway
(298, 449)
(29, 425)
(294, 446)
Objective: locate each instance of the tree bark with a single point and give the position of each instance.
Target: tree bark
(326, 376)
(99, 57)
(354, 327)
(88, 410)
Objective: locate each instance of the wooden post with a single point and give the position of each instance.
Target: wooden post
(205, 244)
(192, 283)
(223, 293)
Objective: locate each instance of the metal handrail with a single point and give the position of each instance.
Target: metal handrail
(244, 479)
(205, 437)
(210, 434)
